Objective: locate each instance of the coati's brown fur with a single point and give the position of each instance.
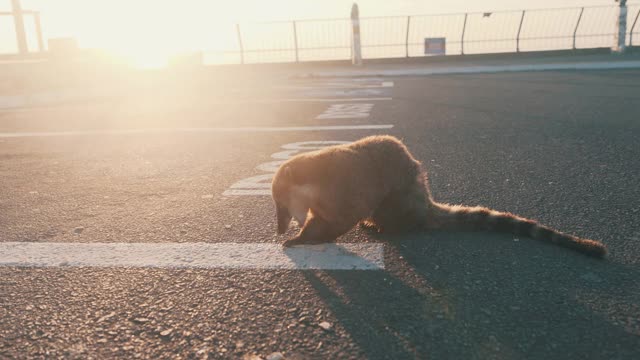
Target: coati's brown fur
(376, 182)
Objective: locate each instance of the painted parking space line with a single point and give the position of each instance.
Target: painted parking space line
(195, 130)
(325, 99)
(314, 91)
(362, 256)
(247, 192)
(488, 69)
(29, 107)
(339, 90)
(346, 111)
(260, 185)
(338, 85)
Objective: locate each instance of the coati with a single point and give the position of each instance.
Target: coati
(376, 182)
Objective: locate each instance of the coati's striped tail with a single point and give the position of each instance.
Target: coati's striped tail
(452, 217)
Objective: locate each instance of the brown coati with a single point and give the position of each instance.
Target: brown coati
(376, 182)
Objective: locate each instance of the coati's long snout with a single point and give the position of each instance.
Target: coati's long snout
(376, 180)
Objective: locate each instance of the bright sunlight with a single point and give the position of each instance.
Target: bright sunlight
(148, 33)
(144, 32)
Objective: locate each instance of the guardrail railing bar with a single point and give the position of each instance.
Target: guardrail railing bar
(519, 30)
(464, 29)
(575, 31)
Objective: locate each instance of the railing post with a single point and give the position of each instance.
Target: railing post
(464, 28)
(621, 29)
(406, 41)
(18, 22)
(356, 58)
(633, 27)
(36, 20)
(240, 44)
(519, 29)
(295, 40)
(575, 31)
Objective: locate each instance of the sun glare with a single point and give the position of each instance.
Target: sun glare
(146, 33)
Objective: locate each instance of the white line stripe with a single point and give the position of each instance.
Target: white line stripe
(363, 256)
(25, 104)
(194, 130)
(343, 85)
(421, 71)
(324, 99)
(345, 116)
(248, 192)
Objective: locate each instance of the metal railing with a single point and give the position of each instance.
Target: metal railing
(404, 36)
(24, 42)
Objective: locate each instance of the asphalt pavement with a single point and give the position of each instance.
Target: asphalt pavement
(192, 165)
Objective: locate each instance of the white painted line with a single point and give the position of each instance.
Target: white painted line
(194, 130)
(338, 85)
(247, 192)
(346, 111)
(254, 182)
(341, 116)
(348, 84)
(324, 99)
(260, 185)
(420, 71)
(271, 166)
(27, 105)
(366, 256)
(48, 99)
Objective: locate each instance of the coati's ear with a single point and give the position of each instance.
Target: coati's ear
(284, 218)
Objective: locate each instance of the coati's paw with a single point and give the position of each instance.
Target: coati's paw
(293, 242)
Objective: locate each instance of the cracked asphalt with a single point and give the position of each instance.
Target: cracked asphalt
(558, 147)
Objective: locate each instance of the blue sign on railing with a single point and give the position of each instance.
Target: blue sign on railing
(435, 46)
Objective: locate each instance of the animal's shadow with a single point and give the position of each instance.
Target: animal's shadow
(470, 295)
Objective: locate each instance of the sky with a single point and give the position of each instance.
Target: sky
(173, 26)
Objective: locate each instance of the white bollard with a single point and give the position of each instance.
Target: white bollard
(18, 22)
(356, 50)
(620, 37)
